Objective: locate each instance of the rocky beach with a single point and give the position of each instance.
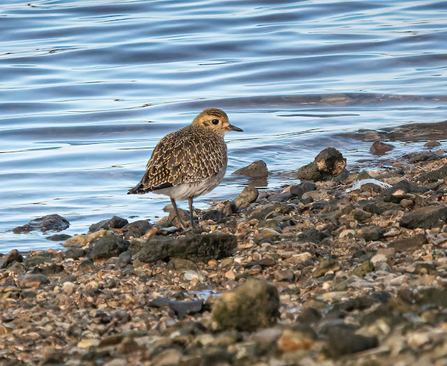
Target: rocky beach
(349, 267)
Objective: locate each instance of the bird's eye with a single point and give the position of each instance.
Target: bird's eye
(215, 121)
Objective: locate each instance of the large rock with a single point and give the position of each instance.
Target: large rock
(195, 247)
(434, 175)
(425, 217)
(328, 163)
(257, 169)
(253, 305)
(107, 246)
(12, 256)
(415, 242)
(46, 223)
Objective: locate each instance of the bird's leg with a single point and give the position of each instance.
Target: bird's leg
(191, 212)
(178, 215)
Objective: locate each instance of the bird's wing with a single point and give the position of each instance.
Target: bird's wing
(184, 156)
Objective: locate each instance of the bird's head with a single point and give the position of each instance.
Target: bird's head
(216, 120)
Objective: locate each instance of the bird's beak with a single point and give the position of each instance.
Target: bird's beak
(234, 128)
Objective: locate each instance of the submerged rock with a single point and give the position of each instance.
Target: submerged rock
(380, 148)
(46, 223)
(253, 305)
(328, 163)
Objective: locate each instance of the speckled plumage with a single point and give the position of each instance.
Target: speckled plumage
(189, 162)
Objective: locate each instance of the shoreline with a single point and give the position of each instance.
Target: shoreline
(333, 276)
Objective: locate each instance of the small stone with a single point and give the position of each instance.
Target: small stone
(123, 259)
(87, 343)
(363, 269)
(247, 196)
(328, 163)
(300, 257)
(136, 229)
(253, 305)
(214, 215)
(284, 275)
(324, 267)
(68, 288)
(378, 258)
(380, 148)
(267, 235)
(257, 169)
(230, 275)
(291, 341)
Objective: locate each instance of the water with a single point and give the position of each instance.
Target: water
(87, 88)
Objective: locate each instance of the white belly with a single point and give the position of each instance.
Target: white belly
(191, 190)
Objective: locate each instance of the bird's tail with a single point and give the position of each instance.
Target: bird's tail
(138, 189)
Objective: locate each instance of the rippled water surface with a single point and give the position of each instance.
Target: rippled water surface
(87, 88)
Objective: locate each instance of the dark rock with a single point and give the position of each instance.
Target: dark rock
(58, 237)
(12, 256)
(324, 266)
(195, 247)
(87, 265)
(49, 269)
(432, 144)
(247, 196)
(313, 235)
(106, 247)
(114, 223)
(181, 308)
(434, 175)
(46, 223)
(421, 156)
(363, 269)
(136, 229)
(253, 305)
(402, 245)
(181, 265)
(328, 163)
(300, 189)
(37, 259)
(380, 148)
(309, 316)
(280, 197)
(256, 169)
(123, 259)
(342, 341)
(265, 262)
(214, 215)
(371, 232)
(284, 275)
(425, 217)
(32, 280)
(265, 211)
(74, 253)
(361, 215)
(363, 302)
(399, 191)
(432, 296)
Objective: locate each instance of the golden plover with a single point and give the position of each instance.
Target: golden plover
(189, 162)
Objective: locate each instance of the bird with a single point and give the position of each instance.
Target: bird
(189, 162)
